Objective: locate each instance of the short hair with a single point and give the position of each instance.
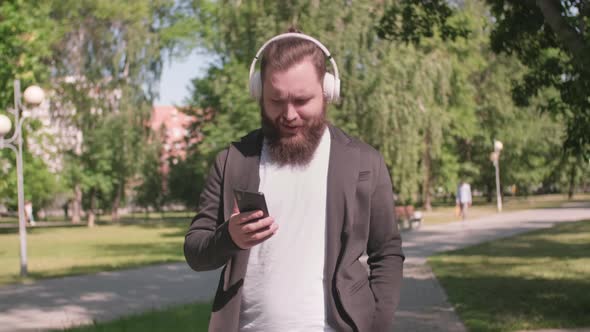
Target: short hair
(282, 54)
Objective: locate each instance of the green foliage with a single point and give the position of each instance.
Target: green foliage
(549, 37)
(432, 104)
(186, 179)
(150, 191)
(26, 36)
(410, 21)
(40, 185)
(186, 317)
(108, 65)
(432, 107)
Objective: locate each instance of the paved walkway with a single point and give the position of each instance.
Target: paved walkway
(423, 306)
(69, 301)
(59, 303)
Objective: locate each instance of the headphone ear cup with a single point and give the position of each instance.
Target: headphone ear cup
(331, 88)
(256, 86)
(336, 96)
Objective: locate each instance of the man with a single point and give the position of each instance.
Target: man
(463, 198)
(330, 201)
(29, 216)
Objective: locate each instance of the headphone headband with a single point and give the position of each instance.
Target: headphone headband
(300, 36)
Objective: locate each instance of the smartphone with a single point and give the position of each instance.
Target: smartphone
(251, 201)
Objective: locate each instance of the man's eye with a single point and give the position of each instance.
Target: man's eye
(301, 101)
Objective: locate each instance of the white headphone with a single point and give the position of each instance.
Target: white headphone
(331, 82)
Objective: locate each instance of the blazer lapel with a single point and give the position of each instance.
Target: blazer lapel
(343, 171)
(242, 173)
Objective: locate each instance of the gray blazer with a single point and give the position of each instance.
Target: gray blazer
(359, 217)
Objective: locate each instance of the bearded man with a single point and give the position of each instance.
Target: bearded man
(330, 202)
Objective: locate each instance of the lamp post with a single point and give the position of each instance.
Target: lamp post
(495, 158)
(33, 95)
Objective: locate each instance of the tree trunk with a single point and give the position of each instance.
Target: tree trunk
(116, 204)
(572, 182)
(77, 204)
(92, 211)
(426, 166)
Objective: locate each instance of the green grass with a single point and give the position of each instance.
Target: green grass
(56, 252)
(531, 281)
(444, 214)
(133, 217)
(191, 317)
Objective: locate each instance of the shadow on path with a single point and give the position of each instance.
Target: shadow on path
(64, 302)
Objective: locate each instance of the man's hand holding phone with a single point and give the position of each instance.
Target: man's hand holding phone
(250, 228)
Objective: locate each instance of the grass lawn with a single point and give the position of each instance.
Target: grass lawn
(191, 317)
(445, 214)
(135, 241)
(132, 217)
(531, 281)
(54, 252)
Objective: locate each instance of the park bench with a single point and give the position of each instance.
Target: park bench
(407, 218)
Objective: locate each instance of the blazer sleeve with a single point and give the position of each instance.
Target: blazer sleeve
(384, 249)
(207, 244)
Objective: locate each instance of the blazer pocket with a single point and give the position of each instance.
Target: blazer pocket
(364, 175)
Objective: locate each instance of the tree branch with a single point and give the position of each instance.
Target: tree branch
(568, 35)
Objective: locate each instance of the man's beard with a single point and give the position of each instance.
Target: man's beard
(296, 150)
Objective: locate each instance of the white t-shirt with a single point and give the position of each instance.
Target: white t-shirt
(284, 283)
(464, 193)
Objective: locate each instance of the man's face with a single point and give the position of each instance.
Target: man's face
(293, 113)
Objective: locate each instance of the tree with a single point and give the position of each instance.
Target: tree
(432, 108)
(550, 37)
(390, 92)
(108, 65)
(40, 186)
(26, 36)
(233, 34)
(151, 192)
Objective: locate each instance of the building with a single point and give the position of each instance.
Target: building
(174, 128)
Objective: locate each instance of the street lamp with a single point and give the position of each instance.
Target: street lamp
(495, 158)
(34, 96)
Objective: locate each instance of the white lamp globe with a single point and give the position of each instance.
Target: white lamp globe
(5, 125)
(34, 95)
(498, 146)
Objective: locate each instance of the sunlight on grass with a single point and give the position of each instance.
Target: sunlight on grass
(54, 252)
(189, 317)
(536, 280)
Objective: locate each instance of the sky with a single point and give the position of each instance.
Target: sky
(177, 75)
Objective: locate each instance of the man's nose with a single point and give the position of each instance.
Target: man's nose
(290, 112)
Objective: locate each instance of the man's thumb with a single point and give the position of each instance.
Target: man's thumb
(235, 209)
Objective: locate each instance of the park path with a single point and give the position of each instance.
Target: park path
(65, 302)
(69, 301)
(423, 305)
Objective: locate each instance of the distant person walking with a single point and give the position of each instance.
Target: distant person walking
(463, 198)
(29, 213)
